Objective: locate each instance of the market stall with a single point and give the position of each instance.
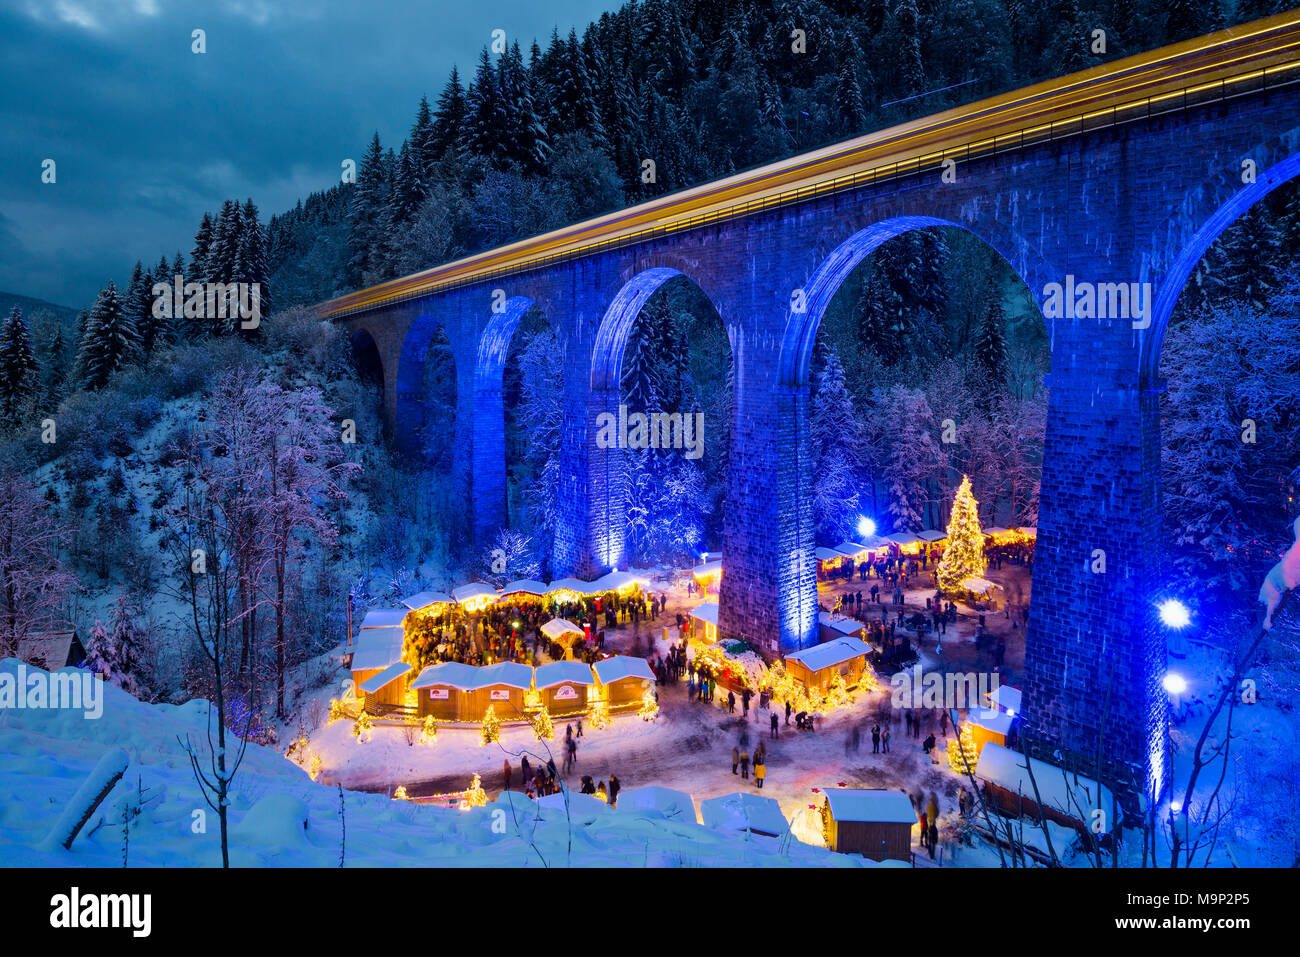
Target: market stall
(704, 621)
(375, 649)
(874, 823)
(387, 689)
(445, 691)
(503, 686)
(563, 686)
(815, 667)
(623, 679)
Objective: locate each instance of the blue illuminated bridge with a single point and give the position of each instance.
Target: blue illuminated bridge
(1120, 174)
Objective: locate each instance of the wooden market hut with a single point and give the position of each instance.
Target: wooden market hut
(502, 686)
(525, 591)
(563, 686)
(623, 679)
(1067, 798)
(813, 667)
(374, 650)
(383, 618)
(386, 690)
(829, 561)
(427, 601)
(907, 542)
(707, 575)
(475, 596)
(704, 621)
(830, 627)
(986, 726)
(874, 823)
(445, 690)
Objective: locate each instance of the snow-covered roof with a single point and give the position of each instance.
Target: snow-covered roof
(978, 585)
(852, 548)
(464, 593)
(584, 806)
(903, 538)
(383, 617)
(570, 584)
(621, 666)
(378, 682)
(1007, 769)
(669, 802)
(426, 598)
(870, 804)
(450, 674)
(1006, 697)
(1030, 530)
(527, 586)
(829, 654)
(48, 649)
(931, 535)
(708, 568)
(996, 530)
(558, 627)
(616, 580)
(377, 648)
(743, 811)
(840, 623)
(999, 722)
(558, 672)
(707, 611)
(824, 554)
(509, 673)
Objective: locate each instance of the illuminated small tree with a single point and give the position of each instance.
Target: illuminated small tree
(649, 706)
(599, 715)
(429, 731)
(491, 730)
(543, 727)
(362, 727)
(475, 796)
(962, 752)
(963, 557)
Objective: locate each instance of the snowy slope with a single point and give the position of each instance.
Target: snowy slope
(46, 755)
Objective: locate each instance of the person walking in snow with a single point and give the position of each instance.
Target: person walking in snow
(731, 702)
(760, 772)
(875, 739)
(776, 725)
(505, 769)
(787, 714)
(614, 786)
(884, 740)
(744, 764)
(735, 759)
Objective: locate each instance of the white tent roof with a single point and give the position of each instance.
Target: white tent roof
(902, 538)
(854, 549)
(742, 811)
(829, 654)
(871, 804)
(1006, 697)
(383, 617)
(558, 627)
(707, 568)
(527, 586)
(931, 535)
(621, 666)
(666, 801)
(464, 593)
(451, 674)
(995, 530)
(558, 672)
(509, 673)
(616, 580)
(377, 648)
(707, 611)
(425, 599)
(978, 585)
(1008, 769)
(842, 624)
(387, 676)
(824, 554)
(570, 584)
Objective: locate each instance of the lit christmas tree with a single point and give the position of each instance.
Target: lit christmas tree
(475, 796)
(429, 731)
(962, 753)
(543, 727)
(491, 727)
(362, 727)
(963, 557)
(649, 705)
(599, 715)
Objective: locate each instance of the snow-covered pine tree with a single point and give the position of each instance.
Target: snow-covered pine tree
(448, 116)
(365, 215)
(991, 342)
(19, 381)
(199, 254)
(113, 650)
(836, 449)
(963, 555)
(137, 302)
(251, 258)
(54, 369)
(111, 340)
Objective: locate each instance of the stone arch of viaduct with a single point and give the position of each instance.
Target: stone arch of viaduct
(1136, 203)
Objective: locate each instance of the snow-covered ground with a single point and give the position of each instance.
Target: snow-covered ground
(279, 817)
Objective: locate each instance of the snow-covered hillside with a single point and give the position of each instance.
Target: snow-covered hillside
(279, 817)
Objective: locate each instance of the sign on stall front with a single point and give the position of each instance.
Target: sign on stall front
(500, 694)
(566, 693)
(439, 694)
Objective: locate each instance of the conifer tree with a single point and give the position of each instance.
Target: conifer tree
(963, 555)
(251, 256)
(836, 448)
(137, 302)
(18, 370)
(54, 370)
(448, 116)
(990, 341)
(111, 340)
(199, 254)
(366, 220)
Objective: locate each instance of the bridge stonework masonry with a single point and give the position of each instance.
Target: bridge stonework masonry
(1124, 202)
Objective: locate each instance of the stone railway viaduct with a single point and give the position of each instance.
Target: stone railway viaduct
(1135, 193)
